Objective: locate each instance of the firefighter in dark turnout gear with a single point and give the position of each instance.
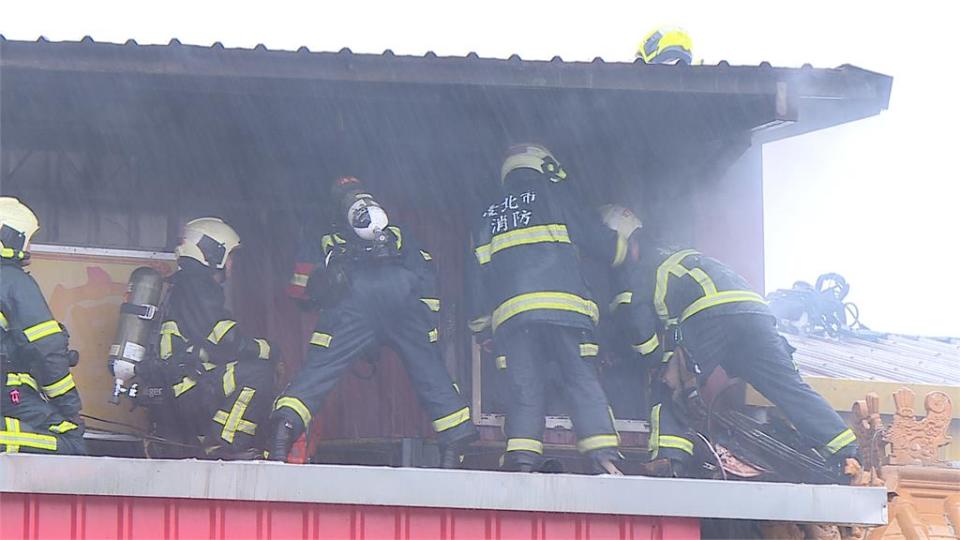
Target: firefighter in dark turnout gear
(219, 383)
(40, 403)
(529, 289)
(373, 285)
(681, 299)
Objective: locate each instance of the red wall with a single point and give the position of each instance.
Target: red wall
(31, 516)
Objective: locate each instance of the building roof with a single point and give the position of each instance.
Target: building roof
(887, 358)
(182, 109)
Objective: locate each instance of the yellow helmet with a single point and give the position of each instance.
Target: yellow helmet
(532, 156)
(17, 225)
(666, 46)
(208, 241)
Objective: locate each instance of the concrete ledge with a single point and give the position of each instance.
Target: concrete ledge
(434, 488)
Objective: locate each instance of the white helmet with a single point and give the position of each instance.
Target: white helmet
(208, 241)
(17, 225)
(625, 223)
(532, 156)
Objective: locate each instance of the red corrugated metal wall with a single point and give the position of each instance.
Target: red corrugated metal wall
(39, 517)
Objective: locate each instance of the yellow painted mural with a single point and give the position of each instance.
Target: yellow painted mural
(84, 289)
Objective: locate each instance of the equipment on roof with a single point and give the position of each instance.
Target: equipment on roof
(816, 309)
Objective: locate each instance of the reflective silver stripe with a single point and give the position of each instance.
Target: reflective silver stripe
(527, 445)
(220, 330)
(623, 298)
(519, 237)
(60, 387)
(300, 280)
(589, 349)
(647, 346)
(320, 339)
(552, 300)
(42, 330)
(298, 407)
(229, 379)
(597, 442)
(451, 420)
(264, 348)
(432, 303)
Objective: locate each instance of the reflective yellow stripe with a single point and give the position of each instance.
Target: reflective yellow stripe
(63, 427)
(42, 330)
(60, 387)
(426, 255)
(432, 303)
(647, 346)
(18, 379)
(167, 330)
(597, 442)
(451, 420)
(479, 325)
(219, 330)
(229, 379)
(234, 420)
(528, 445)
(653, 442)
(182, 386)
(320, 339)
(13, 438)
(208, 366)
(13, 426)
(840, 441)
(520, 237)
(666, 357)
(300, 280)
(663, 276)
(396, 232)
(679, 443)
(297, 406)
(501, 362)
(433, 335)
(264, 348)
(552, 300)
(722, 297)
(623, 298)
(3, 321)
(621, 253)
(589, 349)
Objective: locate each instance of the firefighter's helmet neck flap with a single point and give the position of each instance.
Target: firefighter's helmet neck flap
(207, 243)
(533, 157)
(17, 226)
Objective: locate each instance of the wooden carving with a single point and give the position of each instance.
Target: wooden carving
(868, 427)
(913, 441)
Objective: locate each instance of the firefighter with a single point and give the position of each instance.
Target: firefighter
(40, 402)
(530, 291)
(373, 285)
(666, 46)
(217, 382)
(680, 300)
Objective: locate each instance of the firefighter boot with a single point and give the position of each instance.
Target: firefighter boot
(661, 468)
(284, 434)
(604, 461)
(451, 456)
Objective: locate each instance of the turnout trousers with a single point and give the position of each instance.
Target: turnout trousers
(748, 346)
(528, 352)
(30, 424)
(226, 407)
(408, 325)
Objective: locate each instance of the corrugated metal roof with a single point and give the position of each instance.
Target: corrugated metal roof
(891, 357)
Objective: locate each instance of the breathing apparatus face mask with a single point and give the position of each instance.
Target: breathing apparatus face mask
(367, 218)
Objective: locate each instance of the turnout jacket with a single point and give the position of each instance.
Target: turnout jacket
(33, 343)
(329, 262)
(198, 332)
(665, 288)
(526, 251)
